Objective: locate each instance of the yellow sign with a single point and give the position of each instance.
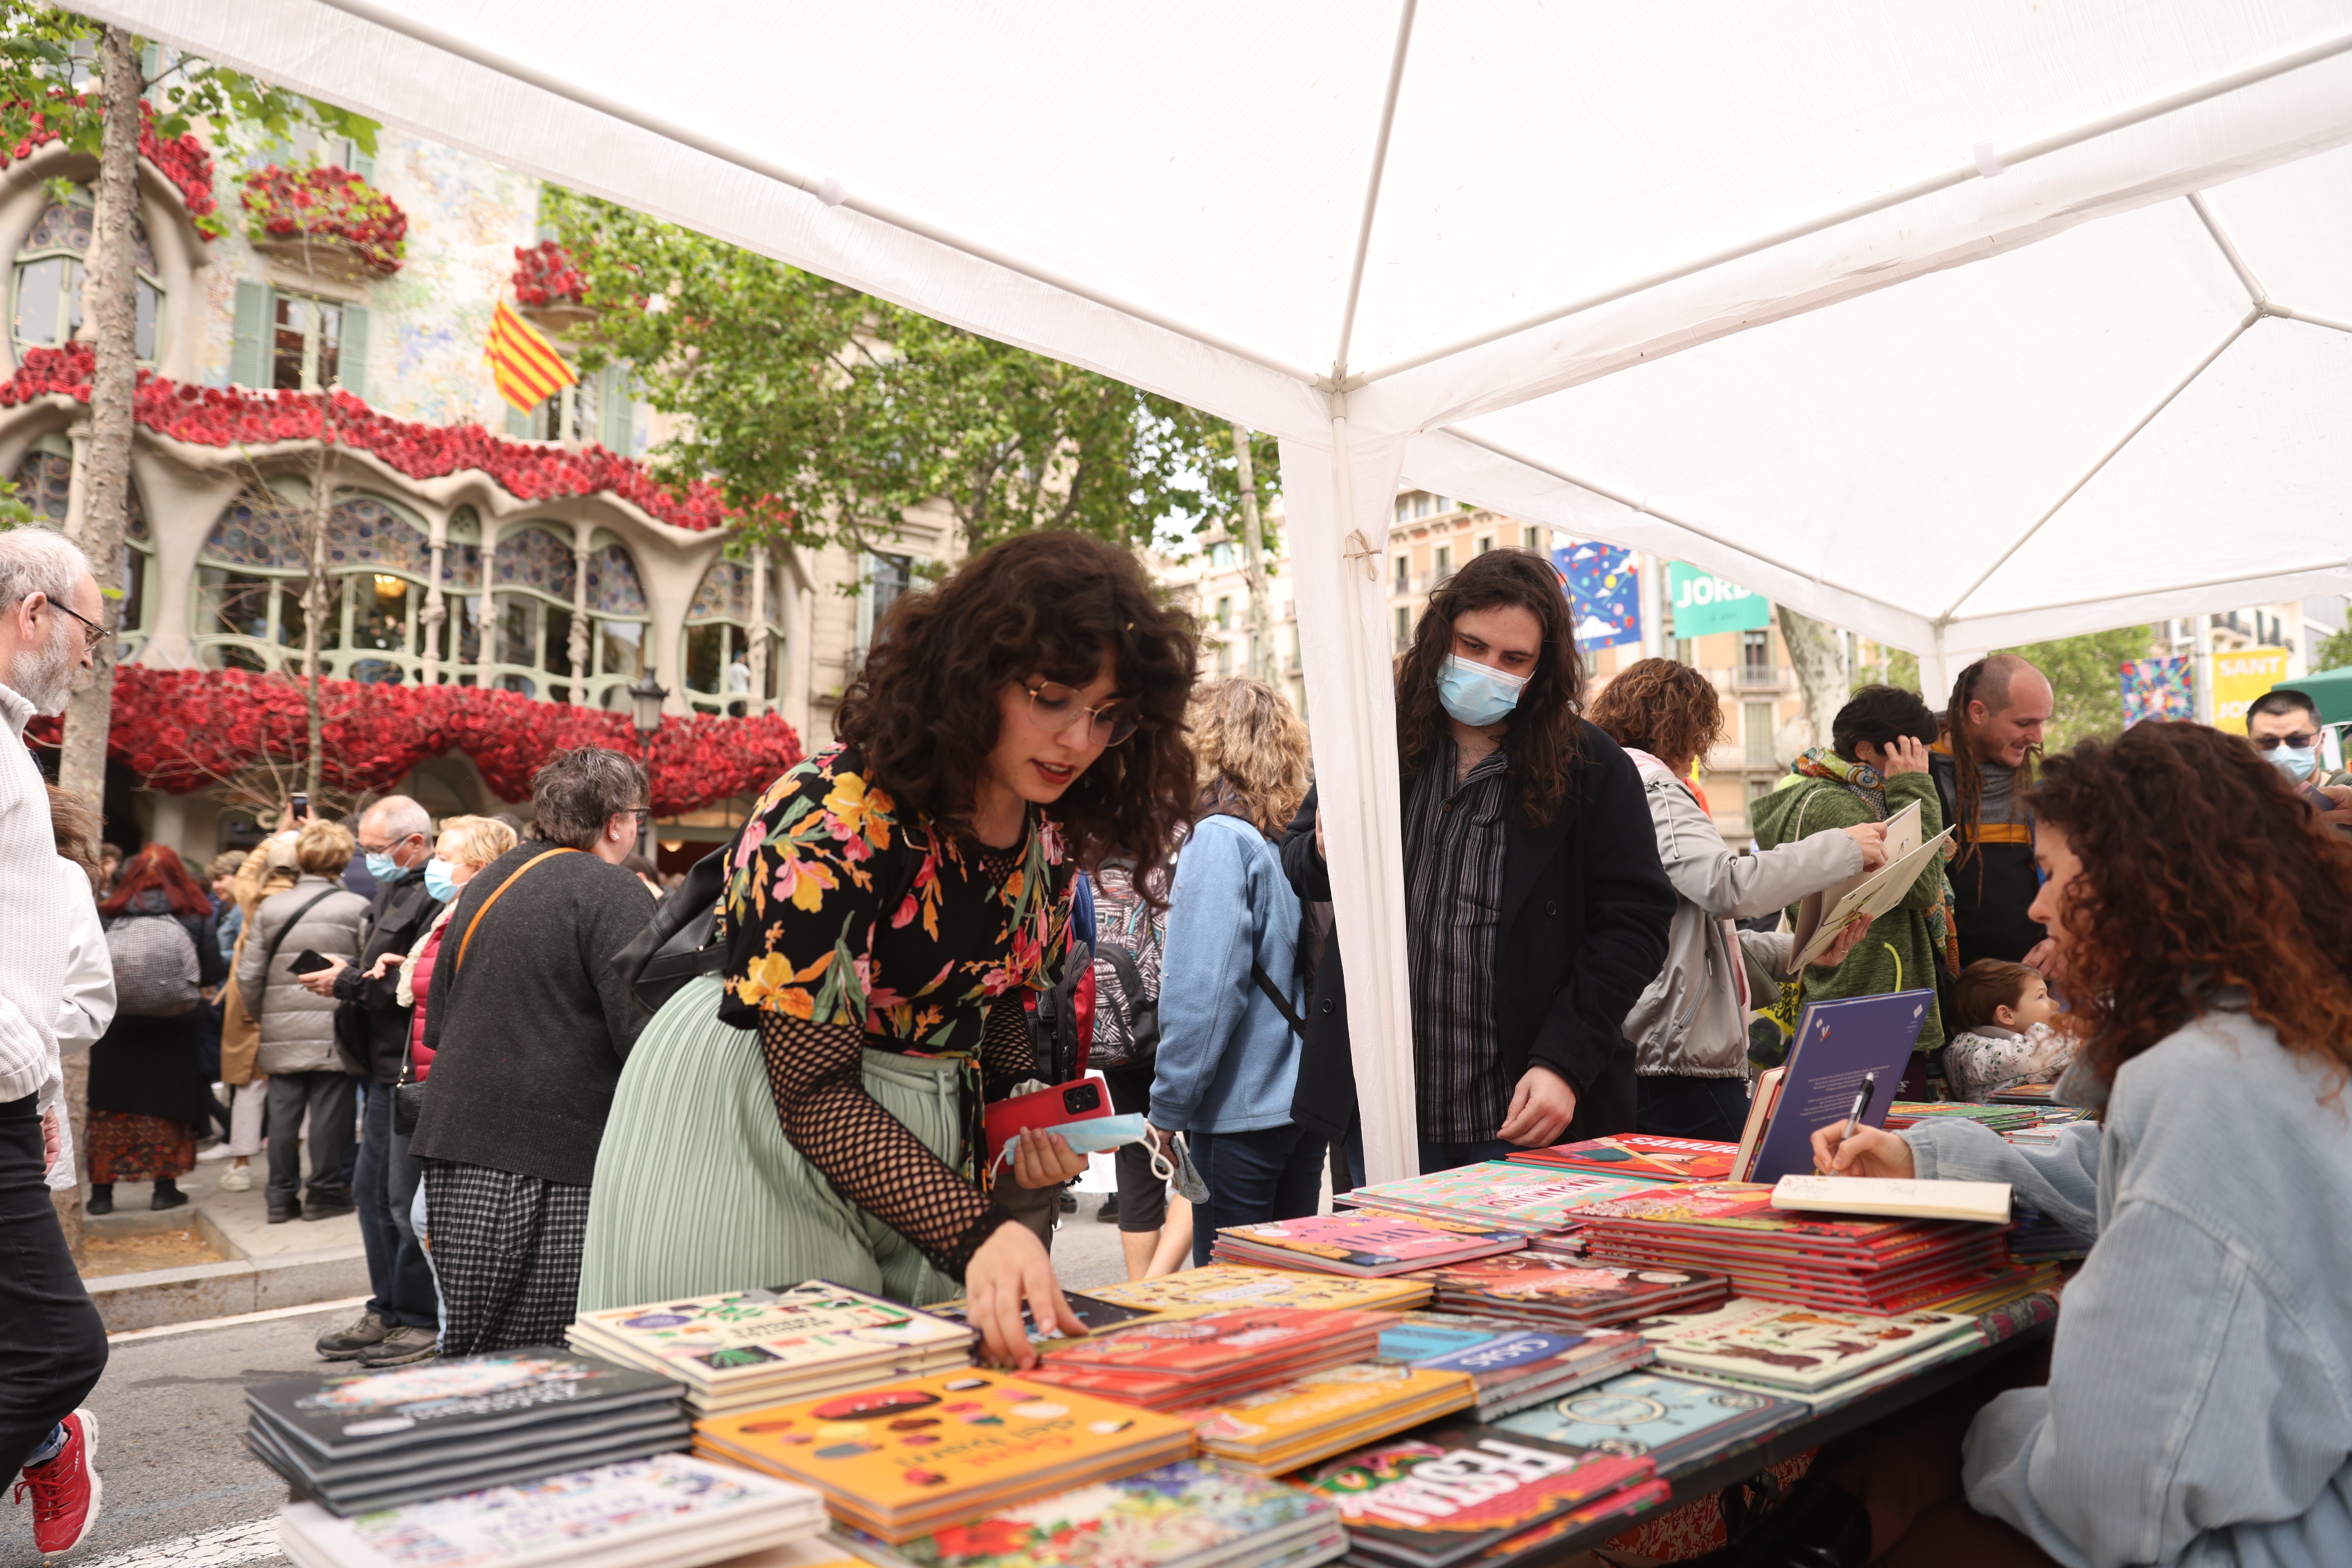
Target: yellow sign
(2240, 677)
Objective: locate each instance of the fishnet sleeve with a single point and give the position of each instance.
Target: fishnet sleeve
(1006, 1055)
(871, 1157)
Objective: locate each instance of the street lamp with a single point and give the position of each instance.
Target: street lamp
(646, 699)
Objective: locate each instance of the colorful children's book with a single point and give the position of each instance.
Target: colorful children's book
(1839, 1045)
(1639, 1154)
(1527, 1286)
(1364, 1243)
(1194, 1513)
(1174, 1363)
(1671, 1419)
(336, 1415)
(1222, 1287)
(1327, 1412)
(669, 1509)
(1497, 1192)
(1445, 1494)
(907, 1459)
(1803, 1349)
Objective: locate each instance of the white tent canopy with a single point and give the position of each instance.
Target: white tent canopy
(1956, 323)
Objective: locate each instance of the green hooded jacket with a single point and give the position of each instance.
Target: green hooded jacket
(1898, 954)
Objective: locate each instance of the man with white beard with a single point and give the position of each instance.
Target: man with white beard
(52, 1343)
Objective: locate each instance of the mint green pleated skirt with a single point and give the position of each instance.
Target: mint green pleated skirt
(697, 1191)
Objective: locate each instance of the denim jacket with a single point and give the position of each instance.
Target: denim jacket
(1228, 1060)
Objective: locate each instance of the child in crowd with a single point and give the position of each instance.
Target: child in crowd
(2004, 1013)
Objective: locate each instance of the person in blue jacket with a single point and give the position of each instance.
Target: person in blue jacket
(1228, 987)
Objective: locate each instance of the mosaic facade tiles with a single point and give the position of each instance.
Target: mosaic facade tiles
(364, 532)
(68, 226)
(535, 559)
(725, 594)
(613, 586)
(44, 482)
(461, 567)
(265, 533)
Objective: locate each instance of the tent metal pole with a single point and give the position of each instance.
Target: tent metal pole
(824, 189)
(2268, 575)
(1972, 169)
(2330, 323)
(1373, 190)
(2255, 293)
(2142, 423)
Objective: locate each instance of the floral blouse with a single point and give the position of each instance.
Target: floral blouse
(1983, 1061)
(804, 914)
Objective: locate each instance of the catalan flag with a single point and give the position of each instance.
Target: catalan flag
(528, 368)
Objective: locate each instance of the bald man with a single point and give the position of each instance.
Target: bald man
(1982, 768)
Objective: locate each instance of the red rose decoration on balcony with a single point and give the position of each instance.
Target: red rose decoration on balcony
(325, 205)
(183, 161)
(544, 275)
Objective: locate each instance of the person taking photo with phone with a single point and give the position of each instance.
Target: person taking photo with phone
(813, 1112)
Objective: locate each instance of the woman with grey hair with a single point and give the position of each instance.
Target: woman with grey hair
(526, 1027)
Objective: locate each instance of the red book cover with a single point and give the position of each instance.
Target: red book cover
(1641, 1154)
(1210, 1346)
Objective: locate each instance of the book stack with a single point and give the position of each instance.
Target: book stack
(1638, 1154)
(1457, 1493)
(1498, 1195)
(668, 1512)
(1097, 1315)
(906, 1460)
(1864, 1265)
(1278, 1429)
(2038, 1238)
(1825, 1359)
(1364, 1244)
(751, 1349)
(2047, 1131)
(1222, 1287)
(1511, 1367)
(1673, 1421)
(1998, 1117)
(357, 1441)
(1194, 1513)
(1538, 1292)
(2026, 1094)
(1188, 1363)
(2010, 1286)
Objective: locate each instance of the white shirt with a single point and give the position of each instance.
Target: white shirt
(86, 1008)
(32, 918)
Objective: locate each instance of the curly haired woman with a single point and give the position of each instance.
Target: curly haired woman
(2199, 1402)
(888, 905)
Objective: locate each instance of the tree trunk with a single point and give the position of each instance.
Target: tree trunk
(314, 596)
(1261, 615)
(111, 313)
(1815, 649)
(109, 309)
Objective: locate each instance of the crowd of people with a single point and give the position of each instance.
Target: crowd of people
(1106, 864)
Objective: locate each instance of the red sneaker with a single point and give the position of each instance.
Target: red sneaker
(65, 1489)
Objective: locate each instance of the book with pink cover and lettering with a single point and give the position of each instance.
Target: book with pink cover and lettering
(1500, 1194)
(1363, 1243)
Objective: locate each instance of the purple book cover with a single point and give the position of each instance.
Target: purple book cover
(1839, 1043)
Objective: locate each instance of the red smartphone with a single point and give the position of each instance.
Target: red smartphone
(1081, 1100)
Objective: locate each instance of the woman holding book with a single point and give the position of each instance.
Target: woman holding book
(2199, 1402)
(813, 1112)
(1690, 1028)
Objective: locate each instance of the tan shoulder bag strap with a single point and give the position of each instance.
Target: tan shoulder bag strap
(511, 878)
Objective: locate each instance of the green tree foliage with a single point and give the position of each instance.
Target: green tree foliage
(821, 412)
(45, 65)
(2086, 678)
(2332, 652)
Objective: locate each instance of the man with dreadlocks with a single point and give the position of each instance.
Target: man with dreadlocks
(1982, 767)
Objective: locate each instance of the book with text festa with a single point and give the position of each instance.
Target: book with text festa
(1839, 1045)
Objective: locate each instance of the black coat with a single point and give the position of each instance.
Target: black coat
(155, 1067)
(371, 1025)
(1583, 932)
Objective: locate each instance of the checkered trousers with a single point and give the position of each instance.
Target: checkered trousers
(506, 1250)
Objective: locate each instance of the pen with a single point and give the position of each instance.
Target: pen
(1860, 1103)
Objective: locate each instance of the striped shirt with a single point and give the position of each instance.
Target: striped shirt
(1453, 851)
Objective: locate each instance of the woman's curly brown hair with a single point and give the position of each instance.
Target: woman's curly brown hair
(1544, 738)
(923, 709)
(2200, 870)
(1665, 708)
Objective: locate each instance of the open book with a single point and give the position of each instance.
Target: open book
(1985, 1202)
(1873, 893)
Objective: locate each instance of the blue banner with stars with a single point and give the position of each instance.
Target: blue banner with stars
(1604, 593)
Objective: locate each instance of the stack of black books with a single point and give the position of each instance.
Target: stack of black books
(354, 1442)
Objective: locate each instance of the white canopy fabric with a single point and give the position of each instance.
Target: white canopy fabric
(1958, 323)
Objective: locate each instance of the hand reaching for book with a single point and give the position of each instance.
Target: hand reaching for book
(1010, 1267)
(1869, 1151)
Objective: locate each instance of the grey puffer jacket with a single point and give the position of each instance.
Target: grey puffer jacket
(1689, 1023)
(298, 1029)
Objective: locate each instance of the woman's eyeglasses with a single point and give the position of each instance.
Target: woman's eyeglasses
(1054, 708)
(2301, 742)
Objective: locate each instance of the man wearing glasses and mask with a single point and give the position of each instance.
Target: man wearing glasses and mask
(2284, 725)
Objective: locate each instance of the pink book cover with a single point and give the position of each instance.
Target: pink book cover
(1369, 1239)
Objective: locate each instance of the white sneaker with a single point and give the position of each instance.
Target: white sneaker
(217, 1151)
(233, 1180)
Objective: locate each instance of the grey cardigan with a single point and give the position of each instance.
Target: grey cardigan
(1689, 1022)
(2199, 1404)
(298, 1029)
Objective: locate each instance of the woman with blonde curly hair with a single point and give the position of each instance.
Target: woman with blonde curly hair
(1230, 991)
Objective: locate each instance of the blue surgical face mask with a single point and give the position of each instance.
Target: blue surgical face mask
(440, 881)
(1477, 694)
(2298, 763)
(383, 867)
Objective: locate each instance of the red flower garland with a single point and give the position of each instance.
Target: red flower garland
(183, 730)
(326, 200)
(545, 275)
(184, 161)
(224, 417)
